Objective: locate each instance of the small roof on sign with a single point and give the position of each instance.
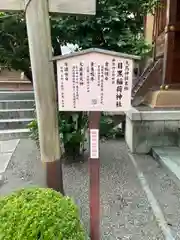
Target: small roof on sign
(96, 50)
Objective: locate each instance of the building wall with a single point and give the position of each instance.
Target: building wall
(149, 28)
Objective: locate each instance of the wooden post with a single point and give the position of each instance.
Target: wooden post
(94, 169)
(38, 28)
(171, 13)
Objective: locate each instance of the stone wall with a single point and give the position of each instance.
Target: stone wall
(147, 129)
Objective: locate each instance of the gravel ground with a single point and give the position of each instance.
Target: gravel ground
(167, 191)
(24, 168)
(125, 210)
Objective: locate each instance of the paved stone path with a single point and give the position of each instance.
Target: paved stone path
(7, 149)
(140, 199)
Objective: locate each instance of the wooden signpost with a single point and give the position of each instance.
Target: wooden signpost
(94, 80)
(39, 37)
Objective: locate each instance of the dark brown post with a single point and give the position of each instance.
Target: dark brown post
(171, 13)
(94, 173)
(54, 176)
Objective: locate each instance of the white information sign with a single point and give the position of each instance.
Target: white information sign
(94, 81)
(94, 143)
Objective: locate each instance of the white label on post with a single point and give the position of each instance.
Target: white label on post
(94, 143)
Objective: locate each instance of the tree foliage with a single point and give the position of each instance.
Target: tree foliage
(14, 51)
(13, 42)
(118, 26)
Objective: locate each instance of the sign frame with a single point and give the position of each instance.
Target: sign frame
(91, 80)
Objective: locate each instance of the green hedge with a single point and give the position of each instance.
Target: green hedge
(39, 214)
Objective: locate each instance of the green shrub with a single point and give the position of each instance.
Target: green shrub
(108, 128)
(39, 214)
(33, 126)
(72, 131)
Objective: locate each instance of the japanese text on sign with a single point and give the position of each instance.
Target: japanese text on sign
(94, 82)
